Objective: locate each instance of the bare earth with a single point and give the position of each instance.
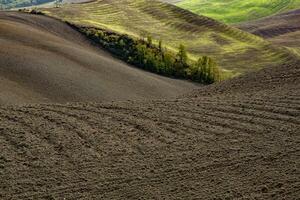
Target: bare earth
(282, 29)
(235, 140)
(44, 60)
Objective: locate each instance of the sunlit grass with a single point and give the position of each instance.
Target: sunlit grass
(235, 11)
(235, 51)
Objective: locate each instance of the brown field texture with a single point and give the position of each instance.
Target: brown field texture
(44, 60)
(238, 139)
(282, 29)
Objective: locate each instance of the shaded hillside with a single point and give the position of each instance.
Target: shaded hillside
(230, 47)
(282, 29)
(236, 140)
(44, 60)
(236, 11)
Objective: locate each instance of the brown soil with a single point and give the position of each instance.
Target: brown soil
(283, 29)
(234, 140)
(44, 60)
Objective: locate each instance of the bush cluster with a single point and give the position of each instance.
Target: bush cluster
(144, 54)
(31, 11)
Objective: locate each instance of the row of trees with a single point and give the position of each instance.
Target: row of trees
(144, 54)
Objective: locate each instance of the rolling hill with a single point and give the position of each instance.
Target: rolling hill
(230, 47)
(282, 29)
(234, 140)
(237, 139)
(44, 60)
(236, 11)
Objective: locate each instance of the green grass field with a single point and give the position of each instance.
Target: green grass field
(235, 51)
(235, 11)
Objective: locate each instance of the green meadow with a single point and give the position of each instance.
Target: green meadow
(236, 11)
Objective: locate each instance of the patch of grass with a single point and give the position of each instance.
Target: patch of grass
(295, 51)
(235, 11)
(235, 51)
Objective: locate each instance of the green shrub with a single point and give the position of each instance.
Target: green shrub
(36, 12)
(205, 71)
(144, 54)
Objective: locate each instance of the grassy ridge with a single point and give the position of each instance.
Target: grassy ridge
(235, 11)
(235, 51)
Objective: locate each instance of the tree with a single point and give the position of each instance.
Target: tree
(168, 63)
(182, 54)
(180, 64)
(196, 71)
(141, 52)
(160, 45)
(149, 41)
(205, 70)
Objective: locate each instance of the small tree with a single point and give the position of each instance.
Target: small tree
(149, 40)
(141, 54)
(181, 62)
(160, 45)
(205, 70)
(168, 63)
(182, 54)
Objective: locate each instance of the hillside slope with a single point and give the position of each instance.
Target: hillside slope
(234, 140)
(282, 29)
(230, 47)
(44, 60)
(236, 11)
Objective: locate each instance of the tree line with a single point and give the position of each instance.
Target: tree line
(144, 54)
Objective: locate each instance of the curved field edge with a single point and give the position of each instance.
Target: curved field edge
(45, 60)
(234, 140)
(237, 11)
(230, 47)
(236, 144)
(282, 29)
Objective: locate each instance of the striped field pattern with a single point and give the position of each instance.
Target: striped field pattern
(237, 11)
(235, 51)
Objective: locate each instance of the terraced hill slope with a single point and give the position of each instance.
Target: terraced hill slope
(236, 140)
(44, 60)
(282, 29)
(236, 11)
(233, 49)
